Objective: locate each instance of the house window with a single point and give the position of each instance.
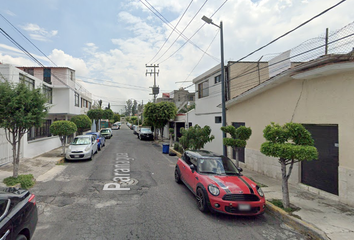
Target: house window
(39, 132)
(203, 89)
(217, 79)
(71, 75)
(29, 71)
(48, 92)
(47, 73)
(77, 100)
(218, 119)
(27, 81)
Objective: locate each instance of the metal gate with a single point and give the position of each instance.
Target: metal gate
(322, 173)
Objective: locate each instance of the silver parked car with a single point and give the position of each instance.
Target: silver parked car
(82, 147)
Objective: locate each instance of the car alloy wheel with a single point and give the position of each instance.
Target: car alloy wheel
(201, 202)
(177, 177)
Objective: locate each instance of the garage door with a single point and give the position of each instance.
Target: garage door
(322, 173)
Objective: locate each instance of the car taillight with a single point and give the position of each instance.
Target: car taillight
(32, 199)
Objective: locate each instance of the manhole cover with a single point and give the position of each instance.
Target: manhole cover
(132, 181)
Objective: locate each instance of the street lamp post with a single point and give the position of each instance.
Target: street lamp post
(209, 21)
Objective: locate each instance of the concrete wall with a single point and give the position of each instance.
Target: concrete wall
(39, 146)
(209, 120)
(322, 98)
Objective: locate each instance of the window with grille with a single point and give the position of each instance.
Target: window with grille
(27, 81)
(48, 92)
(203, 89)
(77, 99)
(217, 79)
(47, 75)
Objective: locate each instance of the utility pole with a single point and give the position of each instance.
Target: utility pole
(155, 89)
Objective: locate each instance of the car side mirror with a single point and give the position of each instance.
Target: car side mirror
(192, 168)
(239, 169)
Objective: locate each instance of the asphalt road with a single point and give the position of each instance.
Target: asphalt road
(74, 205)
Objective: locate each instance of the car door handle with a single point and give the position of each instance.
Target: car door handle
(197, 178)
(184, 167)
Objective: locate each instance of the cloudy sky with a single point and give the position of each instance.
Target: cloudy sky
(109, 42)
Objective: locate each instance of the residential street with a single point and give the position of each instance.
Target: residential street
(74, 205)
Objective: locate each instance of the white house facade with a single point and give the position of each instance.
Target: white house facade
(66, 98)
(207, 112)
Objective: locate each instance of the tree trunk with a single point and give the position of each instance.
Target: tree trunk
(285, 187)
(62, 139)
(236, 158)
(14, 155)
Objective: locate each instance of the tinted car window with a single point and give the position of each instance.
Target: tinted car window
(217, 165)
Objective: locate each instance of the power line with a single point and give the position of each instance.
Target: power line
(27, 39)
(201, 58)
(172, 30)
(304, 23)
(176, 30)
(182, 31)
(194, 35)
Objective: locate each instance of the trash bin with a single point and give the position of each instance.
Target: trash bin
(165, 148)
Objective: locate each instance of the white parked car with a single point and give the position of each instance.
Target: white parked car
(82, 147)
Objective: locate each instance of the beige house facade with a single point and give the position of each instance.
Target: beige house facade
(317, 94)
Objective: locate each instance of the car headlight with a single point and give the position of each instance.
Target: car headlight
(87, 148)
(260, 192)
(214, 190)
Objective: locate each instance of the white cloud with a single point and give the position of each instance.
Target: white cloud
(38, 33)
(8, 12)
(60, 58)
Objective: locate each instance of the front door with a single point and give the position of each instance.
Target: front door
(322, 173)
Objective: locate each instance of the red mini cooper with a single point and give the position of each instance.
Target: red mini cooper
(218, 184)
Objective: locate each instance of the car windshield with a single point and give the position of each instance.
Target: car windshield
(145, 130)
(81, 141)
(217, 165)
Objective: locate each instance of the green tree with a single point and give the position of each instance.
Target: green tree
(107, 114)
(134, 120)
(116, 117)
(194, 138)
(62, 128)
(128, 107)
(290, 143)
(83, 123)
(134, 108)
(20, 109)
(238, 138)
(158, 114)
(96, 115)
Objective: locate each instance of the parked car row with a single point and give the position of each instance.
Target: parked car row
(116, 125)
(84, 147)
(143, 132)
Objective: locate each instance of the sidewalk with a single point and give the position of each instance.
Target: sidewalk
(41, 167)
(318, 217)
(323, 217)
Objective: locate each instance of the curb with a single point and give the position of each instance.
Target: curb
(60, 161)
(300, 225)
(177, 153)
